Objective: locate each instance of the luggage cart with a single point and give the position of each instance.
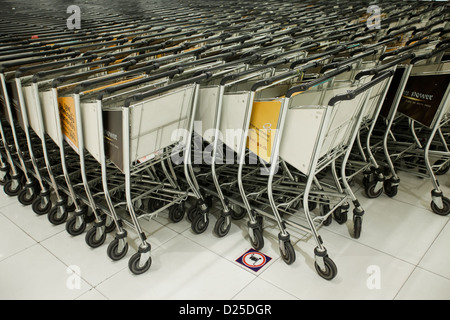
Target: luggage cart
(429, 110)
(335, 136)
(41, 204)
(138, 147)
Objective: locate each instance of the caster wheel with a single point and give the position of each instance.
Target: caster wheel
(75, 228)
(110, 225)
(27, 196)
(312, 205)
(89, 216)
(4, 177)
(93, 240)
(56, 217)
(176, 213)
(330, 271)
(155, 204)
(41, 207)
(258, 242)
(324, 209)
(288, 254)
(209, 201)
(443, 169)
(193, 212)
(357, 226)
(341, 216)
(221, 227)
(200, 224)
(441, 211)
(113, 250)
(389, 189)
(134, 264)
(12, 187)
(237, 212)
(370, 190)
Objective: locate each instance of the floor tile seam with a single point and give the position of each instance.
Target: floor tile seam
(431, 245)
(372, 248)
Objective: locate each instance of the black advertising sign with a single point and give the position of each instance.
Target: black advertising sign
(392, 92)
(112, 124)
(423, 96)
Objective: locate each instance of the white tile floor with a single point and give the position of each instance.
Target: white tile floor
(402, 254)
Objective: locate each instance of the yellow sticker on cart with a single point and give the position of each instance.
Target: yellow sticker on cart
(68, 120)
(263, 125)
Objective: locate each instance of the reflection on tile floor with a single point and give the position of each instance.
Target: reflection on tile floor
(402, 254)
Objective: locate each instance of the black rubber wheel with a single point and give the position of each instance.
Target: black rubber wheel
(341, 216)
(25, 198)
(221, 228)
(133, 264)
(111, 226)
(209, 201)
(443, 170)
(311, 205)
(237, 212)
(366, 181)
(89, 216)
(10, 190)
(5, 179)
(71, 227)
(200, 223)
(154, 204)
(289, 255)
(39, 208)
(177, 212)
(370, 190)
(258, 242)
(357, 227)
(55, 218)
(443, 211)
(330, 271)
(91, 238)
(324, 209)
(193, 212)
(113, 250)
(389, 189)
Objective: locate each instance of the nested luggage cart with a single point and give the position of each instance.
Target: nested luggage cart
(137, 142)
(106, 115)
(334, 127)
(421, 96)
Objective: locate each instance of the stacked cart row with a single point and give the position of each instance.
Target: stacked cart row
(267, 110)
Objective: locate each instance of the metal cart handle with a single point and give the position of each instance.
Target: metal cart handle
(327, 76)
(335, 65)
(111, 90)
(93, 83)
(393, 34)
(420, 37)
(139, 49)
(317, 56)
(247, 59)
(82, 75)
(282, 76)
(35, 68)
(353, 94)
(429, 55)
(32, 54)
(223, 56)
(301, 49)
(404, 49)
(175, 85)
(380, 43)
(385, 66)
(9, 65)
(233, 77)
